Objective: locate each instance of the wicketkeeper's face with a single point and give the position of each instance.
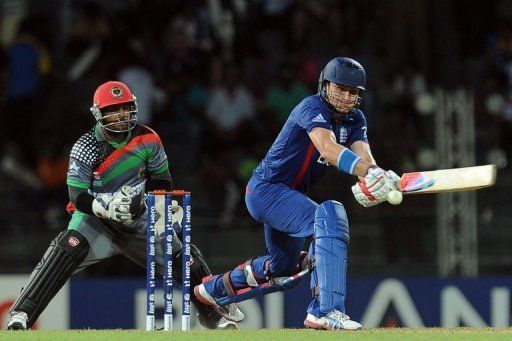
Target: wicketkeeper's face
(117, 117)
(343, 98)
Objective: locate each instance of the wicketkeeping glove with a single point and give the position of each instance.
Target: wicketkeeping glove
(176, 217)
(114, 207)
(375, 187)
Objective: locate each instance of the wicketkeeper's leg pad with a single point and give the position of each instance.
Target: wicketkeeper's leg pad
(198, 269)
(65, 253)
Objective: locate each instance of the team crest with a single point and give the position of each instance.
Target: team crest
(141, 173)
(116, 92)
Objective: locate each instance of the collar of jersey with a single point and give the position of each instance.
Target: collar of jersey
(100, 136)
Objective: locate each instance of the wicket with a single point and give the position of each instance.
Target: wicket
(160, 203)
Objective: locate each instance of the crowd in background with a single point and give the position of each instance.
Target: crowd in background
(216, 79)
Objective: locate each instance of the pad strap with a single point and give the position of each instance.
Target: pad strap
(264, 288)
(230, 290)
(250, 276)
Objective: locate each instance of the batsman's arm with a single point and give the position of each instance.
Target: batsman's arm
(335, 154)
(362, 149)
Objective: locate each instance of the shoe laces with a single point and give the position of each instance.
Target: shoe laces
(339, 316)
(232, 308)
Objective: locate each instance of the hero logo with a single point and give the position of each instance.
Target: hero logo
(188, 215)
(268, 312)
(73, 241)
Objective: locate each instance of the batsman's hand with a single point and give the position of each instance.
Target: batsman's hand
(114, 207)
(375, 187)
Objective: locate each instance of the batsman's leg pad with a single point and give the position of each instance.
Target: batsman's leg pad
(60, 260)
(257, 285)
(247, 274)
(331, 239)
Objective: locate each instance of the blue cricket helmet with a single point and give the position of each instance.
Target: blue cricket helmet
(345, 71)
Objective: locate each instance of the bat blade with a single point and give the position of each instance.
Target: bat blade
(448, 180)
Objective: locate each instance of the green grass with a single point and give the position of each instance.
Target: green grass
(276, 334)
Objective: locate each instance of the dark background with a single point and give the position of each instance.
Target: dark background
(181, 57)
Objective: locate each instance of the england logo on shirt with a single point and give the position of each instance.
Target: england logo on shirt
(343, 135)
(319, 119)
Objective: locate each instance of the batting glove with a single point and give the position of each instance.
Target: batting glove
(375, 187)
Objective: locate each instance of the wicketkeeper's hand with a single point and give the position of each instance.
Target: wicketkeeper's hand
(375, 187)
(114, 207)
(176, 217)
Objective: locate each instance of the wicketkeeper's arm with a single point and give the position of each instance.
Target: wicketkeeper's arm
(162, 181)
(113, 206)
(81, 199)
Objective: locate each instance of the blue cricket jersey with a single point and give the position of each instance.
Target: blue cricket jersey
(293, 159)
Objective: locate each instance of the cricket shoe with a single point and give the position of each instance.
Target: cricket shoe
(229, 312)
(17, 321)
(224, 324)
(335, 320)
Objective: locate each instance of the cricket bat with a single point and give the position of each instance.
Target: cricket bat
(448, 180)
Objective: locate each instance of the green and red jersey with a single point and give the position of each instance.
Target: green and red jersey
(103, 166)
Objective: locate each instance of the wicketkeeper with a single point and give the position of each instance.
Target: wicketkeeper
(111, 168)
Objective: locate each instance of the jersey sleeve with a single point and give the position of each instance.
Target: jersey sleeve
(157, 159)
(310, 117)
(79, 169)
(359, 133)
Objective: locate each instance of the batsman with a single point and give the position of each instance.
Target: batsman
(111, 168)
(324, 129)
